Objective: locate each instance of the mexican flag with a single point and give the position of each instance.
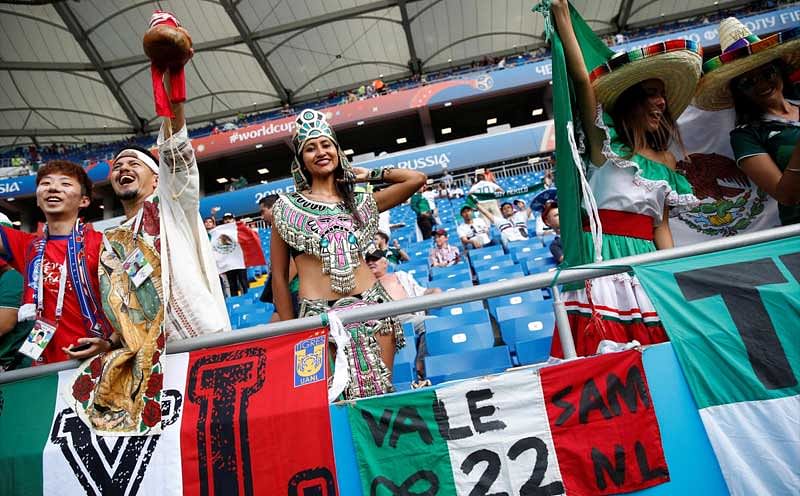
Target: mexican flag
(730, 203)
(586, 427)
(733, 319)
(235, 246)
(242, 419)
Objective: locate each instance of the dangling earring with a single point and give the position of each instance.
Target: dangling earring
(300, 179)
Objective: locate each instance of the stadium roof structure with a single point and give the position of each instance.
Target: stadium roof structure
(75, 69)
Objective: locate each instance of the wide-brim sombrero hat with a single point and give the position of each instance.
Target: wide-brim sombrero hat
(742, 51)
(675, 62)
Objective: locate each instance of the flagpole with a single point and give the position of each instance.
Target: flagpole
(562, 321)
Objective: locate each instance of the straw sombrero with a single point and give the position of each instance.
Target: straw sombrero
(675, 62)
(742, 51)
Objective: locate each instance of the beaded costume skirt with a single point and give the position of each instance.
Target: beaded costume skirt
(369, 376)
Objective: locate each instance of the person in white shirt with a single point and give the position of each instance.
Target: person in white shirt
(429, 193)
(474, 233)
(506, 224)
(483, 186)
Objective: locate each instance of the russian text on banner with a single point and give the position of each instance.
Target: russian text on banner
(241, 419)
(582, 428)
(732, 317)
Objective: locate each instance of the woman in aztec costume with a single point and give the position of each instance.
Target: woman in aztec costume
(751, 75)
(628, 104)
(326, 227)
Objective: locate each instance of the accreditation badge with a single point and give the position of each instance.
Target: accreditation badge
(37, 339)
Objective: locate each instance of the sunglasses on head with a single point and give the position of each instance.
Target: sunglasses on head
(748, 82)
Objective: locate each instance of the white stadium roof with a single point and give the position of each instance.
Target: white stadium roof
(76, 68)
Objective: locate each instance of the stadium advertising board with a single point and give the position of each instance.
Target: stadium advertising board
(456, 155)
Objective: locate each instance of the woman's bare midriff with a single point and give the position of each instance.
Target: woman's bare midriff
(314, 285)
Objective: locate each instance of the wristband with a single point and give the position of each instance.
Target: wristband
(378, 173)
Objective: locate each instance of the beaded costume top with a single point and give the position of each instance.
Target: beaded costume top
(329, 232)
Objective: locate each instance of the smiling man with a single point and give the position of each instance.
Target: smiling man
(60, 267)
(161, 200)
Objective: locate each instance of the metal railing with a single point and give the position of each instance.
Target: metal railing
(454, 297)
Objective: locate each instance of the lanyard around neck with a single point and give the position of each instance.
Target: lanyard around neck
(62, 280)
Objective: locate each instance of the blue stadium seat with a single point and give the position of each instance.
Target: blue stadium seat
(508, 312)
(472, 306)
(520, 253)
(261, 315)
(493, 263)
(408, 353)
(503, 274)
(525, 298)
(538, 264)
(466, 364)
(450, 284)
(452, 321)
(534, 327)
(485, 253)
(420, 272)
(533, 351)
(462, 338)
(451, 272)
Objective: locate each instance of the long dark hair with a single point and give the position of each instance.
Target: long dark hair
(747, 111)
(629, 114)
(345, 189)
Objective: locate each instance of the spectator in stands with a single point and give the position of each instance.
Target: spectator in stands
(425, 212)
(550, 218)
(12, 331)
(766, 141)
(67, 309)
(474, 232)
(394, 254)
(209, 223)
(379, 86)
(352, 97)
(447, 179)
(549, 180)
(635, 184)
(401, 285)
(484, 192)
(236, 278)
(326, 227)
(443, 254)
(507, 223)
(265, 206)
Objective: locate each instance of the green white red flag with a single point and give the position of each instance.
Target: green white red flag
(732, 317)
(586, 427)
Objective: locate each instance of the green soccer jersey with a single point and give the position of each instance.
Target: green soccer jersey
(775, 137)
(10, 298)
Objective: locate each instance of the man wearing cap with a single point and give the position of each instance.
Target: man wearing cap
(474, 232)
(443, 254)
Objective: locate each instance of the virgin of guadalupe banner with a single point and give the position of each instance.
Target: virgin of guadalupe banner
(245, 419)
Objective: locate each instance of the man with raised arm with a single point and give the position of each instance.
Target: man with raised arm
(158, 279)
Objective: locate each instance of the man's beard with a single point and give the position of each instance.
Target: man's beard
(128, 195)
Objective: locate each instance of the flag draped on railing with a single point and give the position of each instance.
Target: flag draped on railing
(567, 125)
